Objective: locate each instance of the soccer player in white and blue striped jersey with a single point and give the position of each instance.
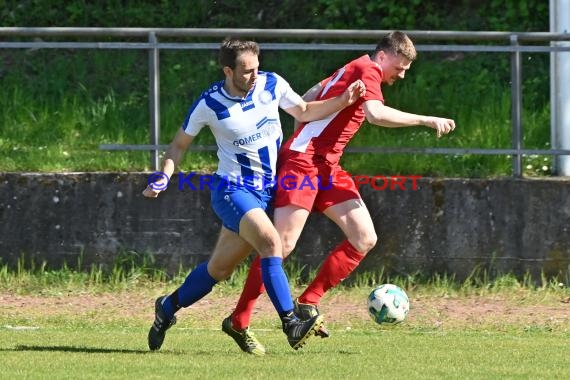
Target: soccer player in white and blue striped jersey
(242, 111)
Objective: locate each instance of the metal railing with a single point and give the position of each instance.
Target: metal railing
(512, 42)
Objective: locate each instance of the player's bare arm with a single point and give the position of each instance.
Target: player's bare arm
(379, 114)
(320, 109)
(174, 154)
(309, 96)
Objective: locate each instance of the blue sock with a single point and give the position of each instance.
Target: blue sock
(276, 284)
(197, 284)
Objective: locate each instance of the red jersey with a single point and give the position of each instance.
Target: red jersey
(328, 137)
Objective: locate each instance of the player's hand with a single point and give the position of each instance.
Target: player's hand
(157, 182)
(149, 192)
(441, 125)
(355, 91)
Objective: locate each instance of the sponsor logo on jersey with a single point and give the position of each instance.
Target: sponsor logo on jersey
(248, 140)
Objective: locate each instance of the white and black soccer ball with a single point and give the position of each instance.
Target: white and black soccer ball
(388, 304)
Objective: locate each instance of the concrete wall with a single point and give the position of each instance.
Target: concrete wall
(445, 226)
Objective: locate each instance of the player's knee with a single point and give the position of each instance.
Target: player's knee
(366, 242)
(270, 246)
(288, 247)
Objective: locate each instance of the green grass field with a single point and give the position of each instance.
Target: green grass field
(504, 329)
(117, 351)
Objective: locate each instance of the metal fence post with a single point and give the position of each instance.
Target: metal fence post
(559, 92)
(516, 106)
(154, 101)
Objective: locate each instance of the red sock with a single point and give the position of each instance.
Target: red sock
(252, 289)
(337, 266)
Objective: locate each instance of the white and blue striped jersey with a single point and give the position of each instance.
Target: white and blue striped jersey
(247, 130)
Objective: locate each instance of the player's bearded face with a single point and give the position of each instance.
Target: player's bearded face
(245, 72)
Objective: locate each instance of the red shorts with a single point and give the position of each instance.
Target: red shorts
(311, 182)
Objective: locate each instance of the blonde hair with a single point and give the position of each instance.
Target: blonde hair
(397, 43)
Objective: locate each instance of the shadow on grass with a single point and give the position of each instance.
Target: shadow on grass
(90, 350)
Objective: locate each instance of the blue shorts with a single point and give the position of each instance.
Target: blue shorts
(230, 202)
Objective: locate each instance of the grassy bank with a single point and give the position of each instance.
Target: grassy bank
(58, 106)
(133, 271)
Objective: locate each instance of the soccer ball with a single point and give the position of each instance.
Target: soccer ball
(388, 304)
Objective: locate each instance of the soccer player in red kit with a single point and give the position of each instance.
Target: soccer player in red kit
(311, 158)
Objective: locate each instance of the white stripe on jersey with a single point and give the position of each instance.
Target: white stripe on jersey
(315, 128)
(247, 131)
(333, 81)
